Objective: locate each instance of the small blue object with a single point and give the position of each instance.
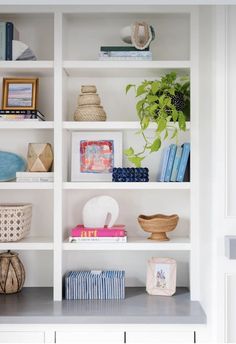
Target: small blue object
(164, 164)
(176, 164)
(130, 174)
(170, 163)
(183, 162)
(10, 163)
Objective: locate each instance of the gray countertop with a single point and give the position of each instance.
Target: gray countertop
(36, 305)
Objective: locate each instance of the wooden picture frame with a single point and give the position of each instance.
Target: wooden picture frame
(19, 93)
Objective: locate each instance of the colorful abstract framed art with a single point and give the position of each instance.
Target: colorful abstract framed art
(94, 155)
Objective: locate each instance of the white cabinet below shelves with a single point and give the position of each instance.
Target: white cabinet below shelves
(159, 337)
(21, 337)
(130, 337)
(90, 337)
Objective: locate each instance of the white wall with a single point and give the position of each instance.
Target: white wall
(223, 192)
(205, 135)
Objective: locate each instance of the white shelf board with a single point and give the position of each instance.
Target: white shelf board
(133, 244)
(123, 68)
(26, 124)
(125, 186)
(29, 243)
(33, 68)
(114, 125)
(25, 186)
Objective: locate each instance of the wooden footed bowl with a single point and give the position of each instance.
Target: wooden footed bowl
(158, 225)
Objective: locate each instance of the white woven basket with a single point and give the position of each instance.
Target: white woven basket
(15, 221)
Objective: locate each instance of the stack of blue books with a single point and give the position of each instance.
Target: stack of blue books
(95, 285)
(176, 164)
(116, 53)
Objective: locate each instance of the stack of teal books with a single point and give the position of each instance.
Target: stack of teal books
(176, 164)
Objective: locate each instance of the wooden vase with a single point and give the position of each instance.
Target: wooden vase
(39, 157)
(12, 273)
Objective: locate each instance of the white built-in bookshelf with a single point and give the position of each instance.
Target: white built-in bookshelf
(66, 41)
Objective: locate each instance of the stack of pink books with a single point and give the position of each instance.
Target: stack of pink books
(117, 233)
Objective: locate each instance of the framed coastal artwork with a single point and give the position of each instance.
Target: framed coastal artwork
(94, 155)
(19, 94)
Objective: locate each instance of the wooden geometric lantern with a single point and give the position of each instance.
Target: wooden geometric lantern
(39, 157)
(12, 273)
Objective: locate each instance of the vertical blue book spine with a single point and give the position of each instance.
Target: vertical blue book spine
(2, 41)
(176, 164)
(9, 39)
(164, 165)
(171, 159)
(183, 162)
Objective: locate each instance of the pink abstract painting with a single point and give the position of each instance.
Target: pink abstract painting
(96, 156)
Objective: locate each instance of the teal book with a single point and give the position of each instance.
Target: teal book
(164, 164)
(176, 164)
(170, 163)
(183, 162)
(2, 41)
(121, 48)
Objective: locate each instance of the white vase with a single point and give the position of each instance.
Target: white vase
(100, 211)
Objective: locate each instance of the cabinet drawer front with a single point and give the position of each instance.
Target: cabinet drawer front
(159, 337)
(90, 337)
(21, 337)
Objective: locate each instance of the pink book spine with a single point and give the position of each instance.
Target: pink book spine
(80, 231)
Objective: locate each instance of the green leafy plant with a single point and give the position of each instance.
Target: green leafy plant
(165, 102)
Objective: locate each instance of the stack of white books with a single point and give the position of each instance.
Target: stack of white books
(27, 177)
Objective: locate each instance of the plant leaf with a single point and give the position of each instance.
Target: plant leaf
(128, 87)
(155, 86)
(141, 90)
(129, 151)
(153, 107)
(166, 135)
(145, 123)
(174, 114)
(151, 98)
(156, 145)
(161, 125)
(167, 102)
(161, 100)
(174, 133)
(181, 120)
(139, 105)
(137, 161)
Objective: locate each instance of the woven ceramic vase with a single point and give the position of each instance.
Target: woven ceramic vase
(12, 273)
(89, 105)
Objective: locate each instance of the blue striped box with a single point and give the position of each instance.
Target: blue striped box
(95, 285)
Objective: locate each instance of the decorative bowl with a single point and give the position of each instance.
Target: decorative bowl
(158, 225)
(10, 163)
